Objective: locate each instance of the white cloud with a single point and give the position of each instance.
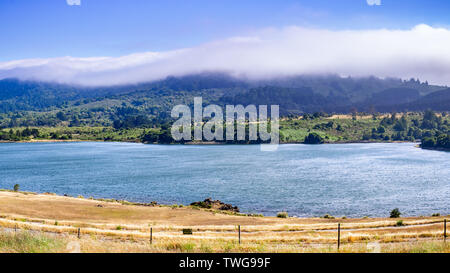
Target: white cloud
(421, 52)
(73, 2)
(374, 2)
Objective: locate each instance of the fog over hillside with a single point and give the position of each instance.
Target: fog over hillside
(421, 52)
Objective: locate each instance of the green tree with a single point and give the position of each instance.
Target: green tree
(428, 142)
(313, 138)
(395, 213)
(443, 141)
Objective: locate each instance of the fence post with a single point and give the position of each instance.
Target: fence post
(445, 230)
(79, 235)
(151, 235)
(339, 235)
(239, 228)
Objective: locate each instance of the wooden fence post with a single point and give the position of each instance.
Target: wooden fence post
(445, 230)
(151, 235)
(79, 234)
(339, 236)
(239, 228)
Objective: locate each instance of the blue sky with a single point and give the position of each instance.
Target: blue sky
(111, 42)
(52, 28)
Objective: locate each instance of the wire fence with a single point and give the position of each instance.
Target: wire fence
(189, 231)
(338, 235)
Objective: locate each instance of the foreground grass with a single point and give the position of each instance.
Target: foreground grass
(261, 247)
(33, 242)
(26, 242)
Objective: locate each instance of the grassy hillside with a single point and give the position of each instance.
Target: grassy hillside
(49, 223)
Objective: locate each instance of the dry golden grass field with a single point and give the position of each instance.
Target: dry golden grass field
(49, 223)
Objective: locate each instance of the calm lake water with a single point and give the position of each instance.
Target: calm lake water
(347, 179)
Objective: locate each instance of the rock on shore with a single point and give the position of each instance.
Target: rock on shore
(215, 204)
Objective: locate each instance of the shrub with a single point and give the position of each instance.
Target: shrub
(16, 187)
(187, 247)
(327, 216)
(399, 223)
(118, 228)
(381, 130)
(282, 214)
(313, 138)
(436, 215)
(395, 213)
(428, 142)
(255, 215)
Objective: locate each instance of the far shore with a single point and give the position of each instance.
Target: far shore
(200, 142)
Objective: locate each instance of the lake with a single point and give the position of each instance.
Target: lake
(352, 180)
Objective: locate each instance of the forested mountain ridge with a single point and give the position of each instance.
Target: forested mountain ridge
(26, 103)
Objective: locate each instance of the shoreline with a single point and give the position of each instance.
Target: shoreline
(193, 207)
(440, 149)
(205, 142)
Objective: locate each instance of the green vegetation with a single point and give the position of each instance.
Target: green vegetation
(313, 138)
(327, 216)
(441, 137)
(430, 127)
(16, 187)
(395, 213)
(148, 105)
(364, 128)
(72, 133)
(141, 113)
(282, 214)
(441, 141)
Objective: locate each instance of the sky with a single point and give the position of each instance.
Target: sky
(108, 42)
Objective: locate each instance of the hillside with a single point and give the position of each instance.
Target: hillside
(439, 101)
(49, 104)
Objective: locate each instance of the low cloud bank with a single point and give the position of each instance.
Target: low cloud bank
(422, 52)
